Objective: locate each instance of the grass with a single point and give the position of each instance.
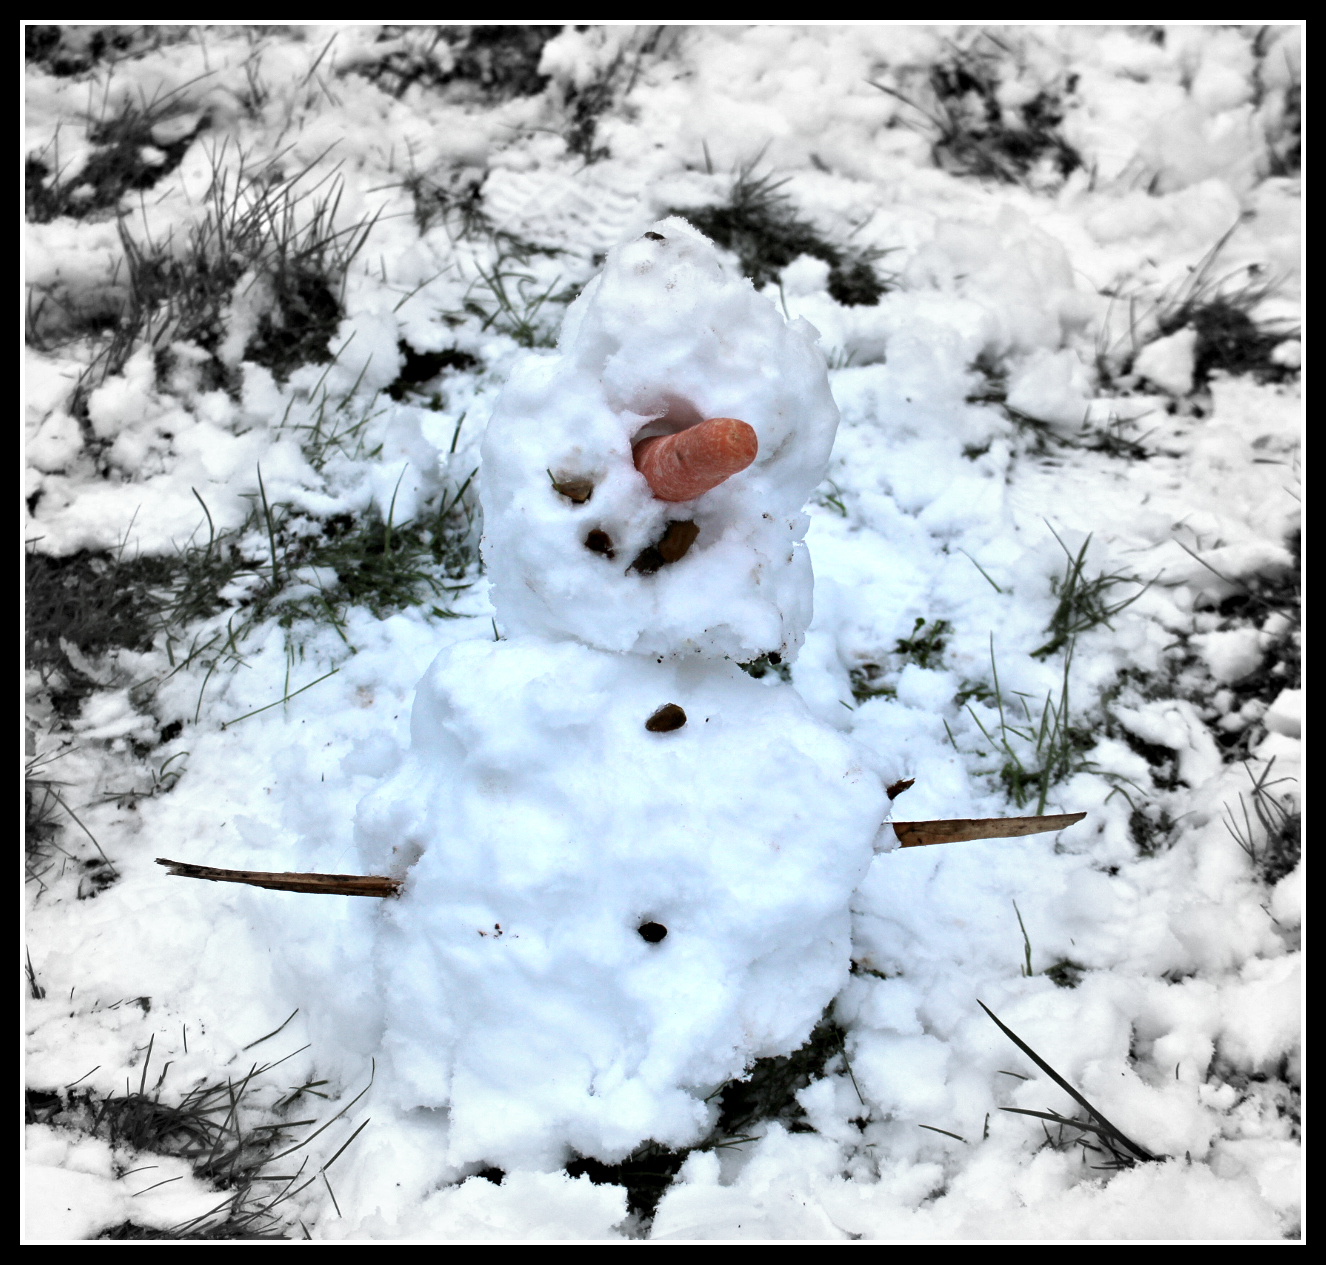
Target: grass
(65, 51)
(1039, 436)
(1284, 134)
(485, 63)
(585, 104)
(1025, 968)
(313, 572)
(200, 606)
(1270, 834)
(209, 1128)
(1064, 973)
(80, 607)
(47, 819)
(1272, 603)
(832, 499)
(1232, 712)
(132, 149)
(924, 647)
(1039, 748)
(378, 563)
(276, 231)
(457, 204)
(760, 225)
(1115, 1148)
(507, 298)
(497, 63)
(1082, 604)
(1228, 339)
(1219, 306)
(1036, 740)
(974, 134)
(282, 229)
(1114, 440)
(503, 294)
(769, 1089)
(273, 232)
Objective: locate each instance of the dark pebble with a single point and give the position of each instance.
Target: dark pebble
(667, 718)
(678, 539)
(652, 931)
(674, 545)
(647, 561)
(897, 788)
(599, 542)
(576, 490)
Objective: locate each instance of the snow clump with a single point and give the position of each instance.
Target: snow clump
(665, 337)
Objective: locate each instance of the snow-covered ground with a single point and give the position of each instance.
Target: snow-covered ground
(278, 278)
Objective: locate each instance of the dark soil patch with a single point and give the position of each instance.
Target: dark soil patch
(1228, 341)
(768, 1092)
(496, 63)
(761, 227)
(421, 367)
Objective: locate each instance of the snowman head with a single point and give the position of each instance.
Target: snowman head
(578, 544)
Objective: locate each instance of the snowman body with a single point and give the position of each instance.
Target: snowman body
(607, 917)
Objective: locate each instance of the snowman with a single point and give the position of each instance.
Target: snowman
(624, 863)
(628, 862)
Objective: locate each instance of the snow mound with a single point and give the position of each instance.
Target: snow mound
(665, 337)
(546, 825)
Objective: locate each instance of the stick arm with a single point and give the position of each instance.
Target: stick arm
(916, 834)
(910, 834)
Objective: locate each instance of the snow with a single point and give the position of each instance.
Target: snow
(1285, 715)
(76, 1187)
(664, 337)
(941, 455)
(1168, 362)
(541, 824)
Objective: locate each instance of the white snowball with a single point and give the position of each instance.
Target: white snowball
(56, 444)
(545, 825)
(1169, 362)
(805, 275)
(1051, 387)
(1287, 899)
(663, 338)
(1232, 653)
(1288, 353)
(1285, 715)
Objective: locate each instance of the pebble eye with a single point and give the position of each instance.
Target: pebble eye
(667, 718)
(653, 932)
(577, 491)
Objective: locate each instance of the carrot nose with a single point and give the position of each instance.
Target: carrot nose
(683, 466)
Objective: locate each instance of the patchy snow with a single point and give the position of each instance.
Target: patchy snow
(1029, 393)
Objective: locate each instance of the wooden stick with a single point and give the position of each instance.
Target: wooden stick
(911, 834)
(327, 884)
(916, 834)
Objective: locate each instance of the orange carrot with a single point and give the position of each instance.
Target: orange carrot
(683, 466)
